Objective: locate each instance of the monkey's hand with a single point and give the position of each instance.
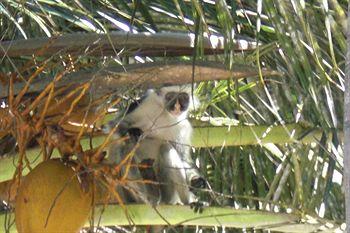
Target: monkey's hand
(198, 206)
(134, 134)
(125, 129)
(198, 183)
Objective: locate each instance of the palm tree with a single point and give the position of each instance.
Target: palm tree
(269, 132)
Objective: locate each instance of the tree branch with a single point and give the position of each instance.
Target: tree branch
(146, 44)
(114, 78)
(204, 136)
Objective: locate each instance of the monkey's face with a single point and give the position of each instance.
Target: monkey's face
(177, 102)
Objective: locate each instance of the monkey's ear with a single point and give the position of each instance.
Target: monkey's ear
(167, 85)
(157, 90)
(163, 88)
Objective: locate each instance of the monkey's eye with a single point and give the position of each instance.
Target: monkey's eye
(171, 96)
(183, 98)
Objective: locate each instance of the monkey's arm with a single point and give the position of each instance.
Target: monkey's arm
(193, 176)
(137, 189)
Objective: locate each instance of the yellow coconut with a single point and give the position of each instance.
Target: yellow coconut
(50, 199)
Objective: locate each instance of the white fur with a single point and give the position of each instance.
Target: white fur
(175, 166)
(173, 174)
(180, 88)
(155, 121)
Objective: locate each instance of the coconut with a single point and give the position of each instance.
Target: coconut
(50, 199)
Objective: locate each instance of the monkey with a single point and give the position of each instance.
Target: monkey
(159, 122)
(138, 168)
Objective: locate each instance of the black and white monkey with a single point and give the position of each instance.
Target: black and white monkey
(158, 122)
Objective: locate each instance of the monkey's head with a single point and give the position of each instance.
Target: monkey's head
(177, 99)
